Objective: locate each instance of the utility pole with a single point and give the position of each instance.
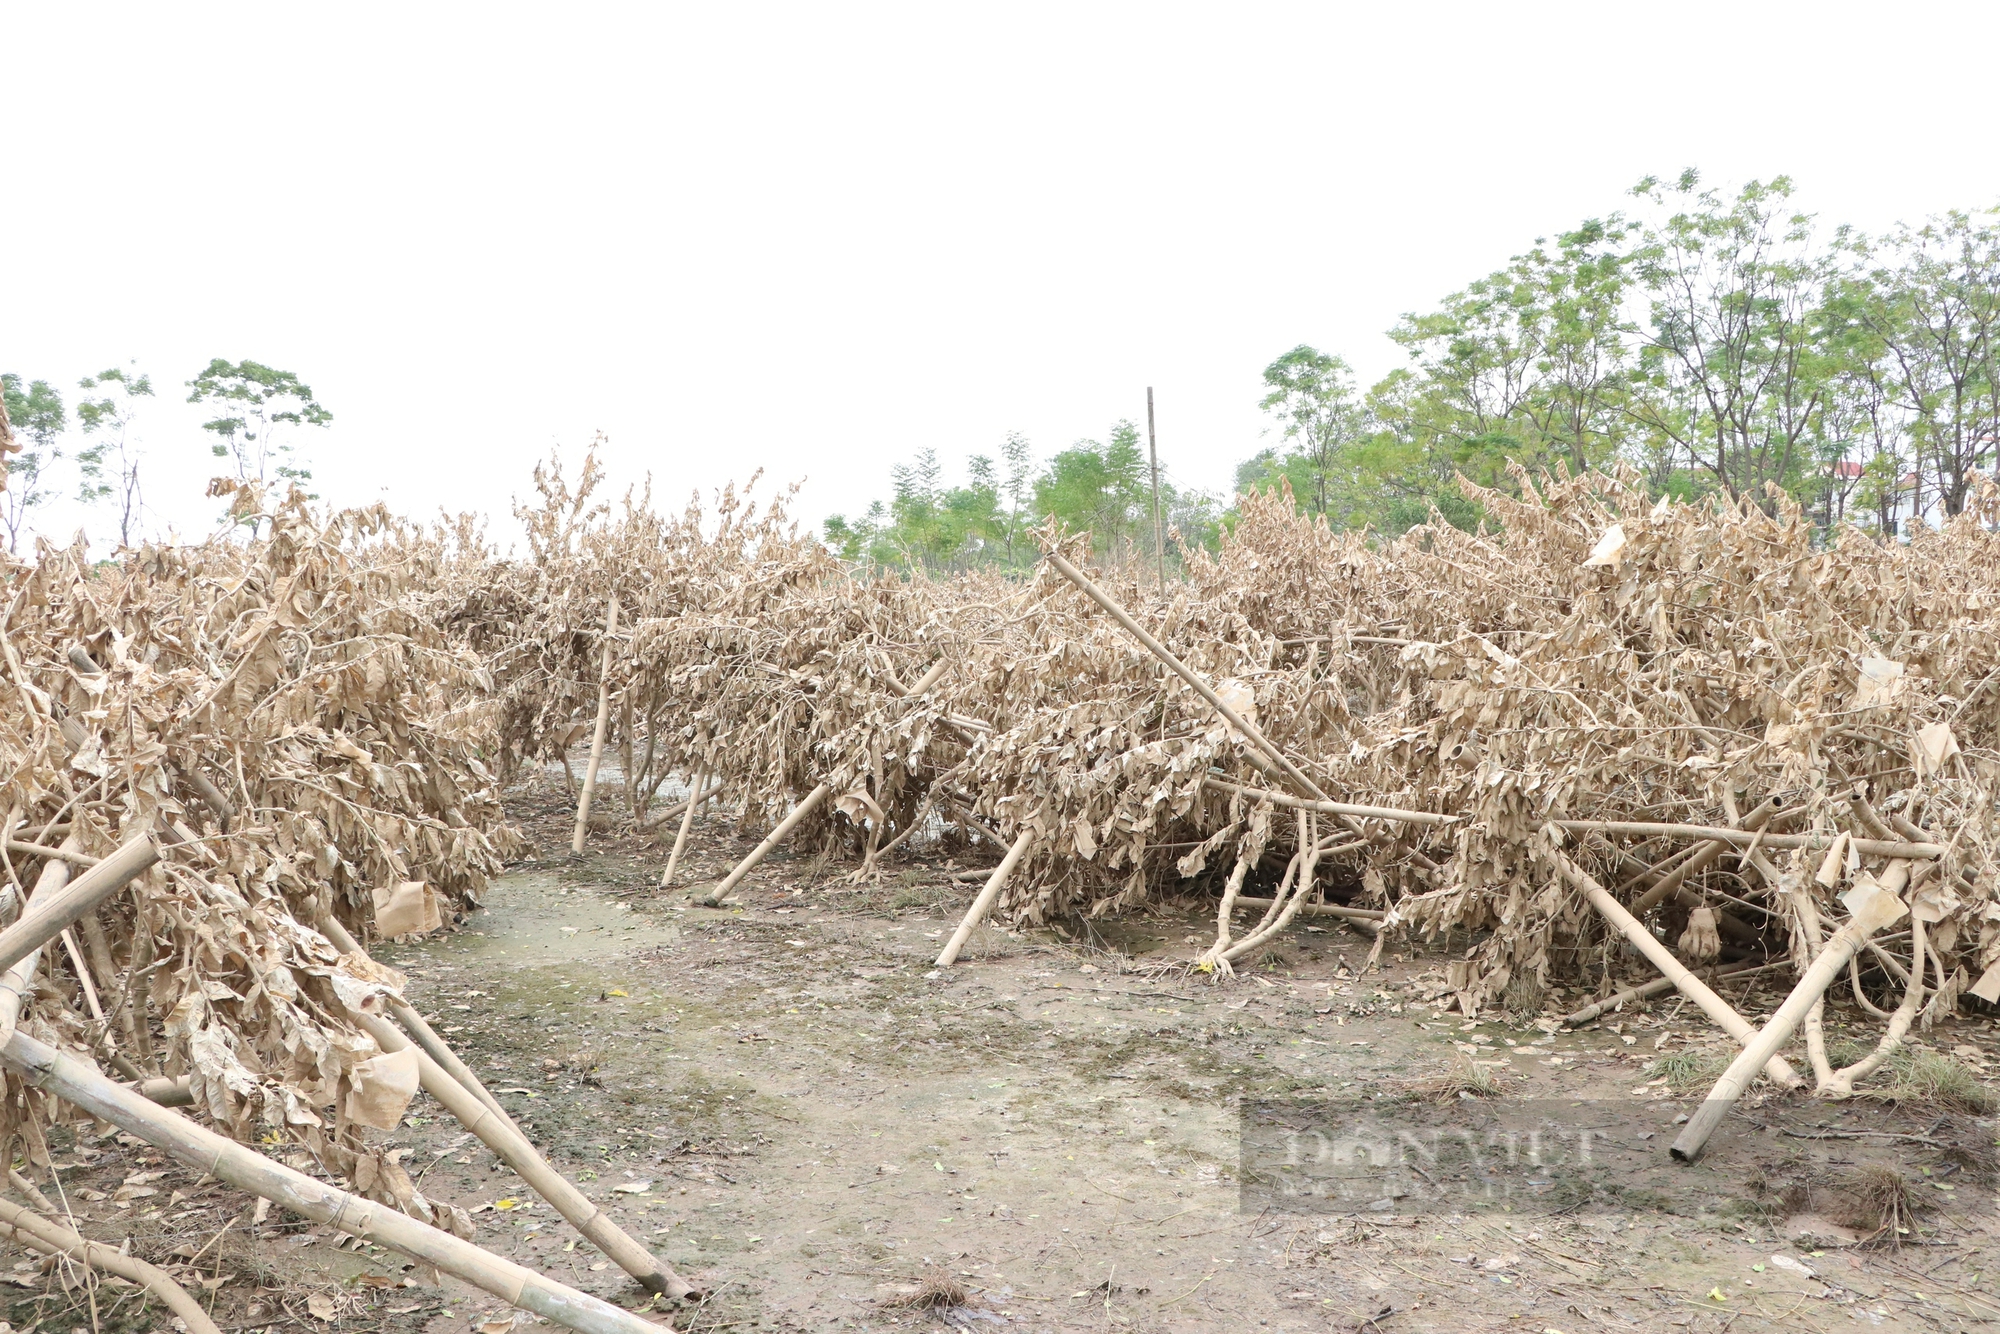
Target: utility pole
(1159, 528)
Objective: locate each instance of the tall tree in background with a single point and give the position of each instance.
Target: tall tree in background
(113, 448)
(36, 410)
(1530, 363)
(1930, 296)
(1101, 486)
(1313, 398)
(1736, 369)
(263, 408)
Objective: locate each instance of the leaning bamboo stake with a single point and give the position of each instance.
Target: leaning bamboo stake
(44, 918)
(51, 1238)
(1187, 674)
(1871, 907)
(415, 1024)
(597, 737)
(763, 850)
(983, 902)
(500, 1135)
(210, 1153)
(1774, 1066)
(687, 823)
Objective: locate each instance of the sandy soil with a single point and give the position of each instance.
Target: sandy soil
(800, 1113)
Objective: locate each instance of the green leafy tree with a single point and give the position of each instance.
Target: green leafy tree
(262, 410)
(1101, 486)
(1736, 365)
(109, 462)
(1531, 362)
(1929, 297)
(36, 411)
(1313, 398)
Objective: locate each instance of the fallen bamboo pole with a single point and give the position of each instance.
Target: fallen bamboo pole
(1329, 807)
(166, 1090)
(1735, 1025)
(44, 918)
(1659, 986)
(1867, 847)
(687, 823)
(924, 682)
(499, 1134)
(982, 903)
(51, 1238)
(680, 808)
(597, 737)
(1871, 907)
(210, 1153)
(1366, 918)
(763, 850)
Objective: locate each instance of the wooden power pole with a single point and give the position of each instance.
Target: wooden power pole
(1159, 527)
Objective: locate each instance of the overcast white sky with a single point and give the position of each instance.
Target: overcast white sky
(816, 238)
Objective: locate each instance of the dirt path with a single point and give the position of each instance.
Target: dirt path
(794, 1107)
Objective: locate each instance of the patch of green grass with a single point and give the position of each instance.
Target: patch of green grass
(1690, 1070)
(1915, 1073)
(1918, 1074)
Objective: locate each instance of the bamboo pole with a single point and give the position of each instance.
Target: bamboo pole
(983, 902)
(166, 1090)
(924, 682)
(1658, 986)
(1867, 847)
(500, 1134)
(1779, 1071)
(44, 919)
(1870, 907)
(19, 976)
(597, 737)
(1328, 807)
(1159, 526)
(38, 1233)
(1187, 674)
(207, 1152)
(763, 850)
(1368, 919)
(687, 823)
(680, 807)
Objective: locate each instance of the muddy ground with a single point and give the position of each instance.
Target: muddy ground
(789, 1103)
